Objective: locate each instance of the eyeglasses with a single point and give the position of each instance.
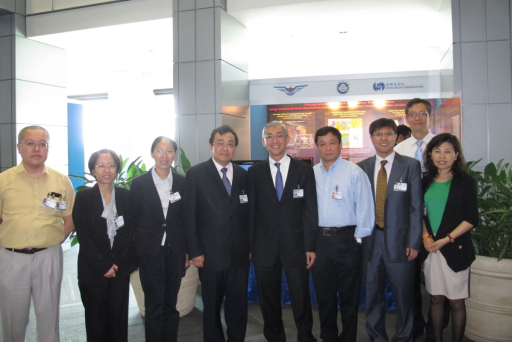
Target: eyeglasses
(422, 113)
(221, 144)
(32, 144)
(163, 151)
(387, 134)
(104, 167)
(278, 136)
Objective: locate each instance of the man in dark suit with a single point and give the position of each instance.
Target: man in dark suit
(218, 236)
(396, 239)
(283, 220)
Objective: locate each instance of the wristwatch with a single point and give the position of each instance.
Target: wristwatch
(450, 237)
(359, 240)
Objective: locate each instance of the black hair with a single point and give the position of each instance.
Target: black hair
(21, 134)
(326, 130)
(382, 123)
(403, 130)
(223, 130)
(94, 157)
(458, 167)
(160, 138)
(416, 101)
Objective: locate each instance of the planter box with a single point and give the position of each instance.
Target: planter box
(489, 308)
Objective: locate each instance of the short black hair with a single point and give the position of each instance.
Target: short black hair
(223, 130)
(160, 138)
(415, 101)
(382, 123)
(326, 130)
(94, 157)
(403, 130)
(21, 134)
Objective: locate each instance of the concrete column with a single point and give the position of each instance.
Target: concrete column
(482, 73)
(211, 84)
(32, 88)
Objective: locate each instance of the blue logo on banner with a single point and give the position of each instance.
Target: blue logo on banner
(379, 86)
(291, 91)
(343, 87)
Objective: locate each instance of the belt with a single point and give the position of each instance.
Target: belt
(26, 250)
(378, 227)
(328, 231)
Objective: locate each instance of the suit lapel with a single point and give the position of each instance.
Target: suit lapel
(396, 171)
(154, 197)
(267, 179)
(370, 167)
(213, 173)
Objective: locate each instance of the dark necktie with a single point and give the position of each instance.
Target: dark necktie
(279, 182)
(380, 200)
(225, 180)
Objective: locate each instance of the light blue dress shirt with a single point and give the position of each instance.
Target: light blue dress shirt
(356, 206)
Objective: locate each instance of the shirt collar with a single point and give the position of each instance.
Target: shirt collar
(219, 167)
(284, 160)
(21, 168)
(413, 140)
(389, 158)
(333, 166)
(157, 177)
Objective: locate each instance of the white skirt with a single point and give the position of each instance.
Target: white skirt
(440, 279)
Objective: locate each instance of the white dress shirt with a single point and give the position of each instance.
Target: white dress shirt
(387, 167)
(164, 187)
(408, 147)
(285, 165)
(229, 172)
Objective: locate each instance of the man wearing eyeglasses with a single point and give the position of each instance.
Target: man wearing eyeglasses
(217, 234)
(418, 113)
(396, 240)
(35, 218)
(283, 222)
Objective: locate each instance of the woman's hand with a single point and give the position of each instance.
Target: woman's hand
(428, 245)
(112, 272)
(187, 262)
(437, 245)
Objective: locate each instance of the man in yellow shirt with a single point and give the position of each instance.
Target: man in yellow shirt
(35, 217)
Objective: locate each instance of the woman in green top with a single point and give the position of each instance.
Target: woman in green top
(451, 211)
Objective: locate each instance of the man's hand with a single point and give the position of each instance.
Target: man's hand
(187, 262)
(69, 226)
(310, 259)
(411, 254)
(198, 261)
(112, 272)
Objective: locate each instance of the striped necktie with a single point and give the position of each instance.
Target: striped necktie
(279, 182)
(419, 153)
(225, 180)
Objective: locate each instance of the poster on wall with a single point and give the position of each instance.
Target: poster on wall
(351, 118)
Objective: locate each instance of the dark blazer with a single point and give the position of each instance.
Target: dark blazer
(217, 225)
(151, 222)
(285, 229)
(96, 257)
(403, 213)
(461, 205)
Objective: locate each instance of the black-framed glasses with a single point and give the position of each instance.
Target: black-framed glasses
(422, 113)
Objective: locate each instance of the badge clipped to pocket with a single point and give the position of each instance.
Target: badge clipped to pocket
(174, 197)
(54, 201)
(298, 193)
(399, 186)
(119, 222)
(243, 198)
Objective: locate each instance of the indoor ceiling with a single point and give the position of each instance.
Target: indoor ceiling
(286, 40)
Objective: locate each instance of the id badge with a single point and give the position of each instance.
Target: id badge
(244, 199)
(336, 195)
(61, 205)
(49, 203)
(119, 222)
(298, 193)
(400, 187)
(174, 197)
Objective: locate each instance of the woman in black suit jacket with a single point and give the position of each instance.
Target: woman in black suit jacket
(452, 210)
(105, 229)
(160, 241)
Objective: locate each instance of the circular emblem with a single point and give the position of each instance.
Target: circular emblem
(379, 86)
(343, 87)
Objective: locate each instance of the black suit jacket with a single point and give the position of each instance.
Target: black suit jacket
(461, 205)
(403, 211)
(95, 257)
(284, 229)
(151, 222)
(217, 225)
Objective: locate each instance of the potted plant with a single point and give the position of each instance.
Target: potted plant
(489, 309)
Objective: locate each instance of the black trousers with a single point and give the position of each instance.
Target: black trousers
(229, 286)
(160, 277)
(337, 272)
(269, 289)
(419, 321)
(106, 309)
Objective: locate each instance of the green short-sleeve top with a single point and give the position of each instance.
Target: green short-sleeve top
(435, 201)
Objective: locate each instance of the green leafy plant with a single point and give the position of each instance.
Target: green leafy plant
(493, 236)
(184, 164)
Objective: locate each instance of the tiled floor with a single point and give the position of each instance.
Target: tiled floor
(72, 326)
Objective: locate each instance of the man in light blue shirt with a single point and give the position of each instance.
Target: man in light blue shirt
(346, 215)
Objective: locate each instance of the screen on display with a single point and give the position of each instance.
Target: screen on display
(352, 119)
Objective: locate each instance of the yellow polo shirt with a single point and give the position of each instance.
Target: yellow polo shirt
(26, 222)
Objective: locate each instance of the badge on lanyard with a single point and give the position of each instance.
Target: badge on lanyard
(243, 198)
(298, 193)
(336, 195)
(174, 197)
(399, 186)
(119, 222)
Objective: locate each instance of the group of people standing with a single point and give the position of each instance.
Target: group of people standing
(345, 223)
